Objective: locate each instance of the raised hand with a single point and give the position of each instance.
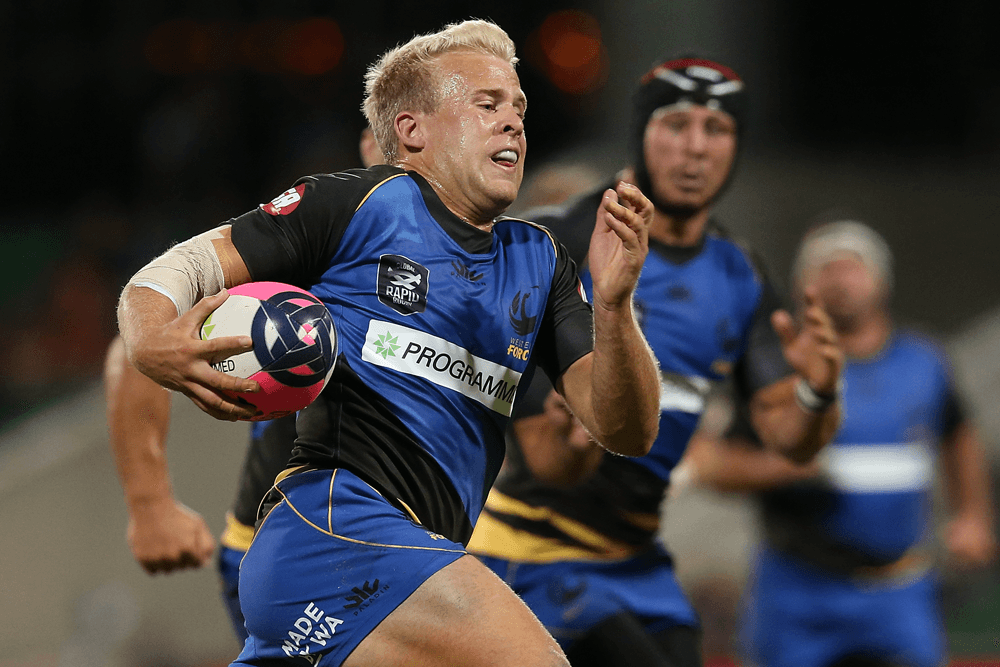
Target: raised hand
(811, 346)
(175, 357)
(619, 244)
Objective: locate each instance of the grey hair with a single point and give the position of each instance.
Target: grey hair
(405, 77)
(822, 244)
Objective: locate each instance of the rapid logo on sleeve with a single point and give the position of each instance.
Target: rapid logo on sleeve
(286, 202)
(441, 362)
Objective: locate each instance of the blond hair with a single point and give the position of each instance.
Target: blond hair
(405, 78)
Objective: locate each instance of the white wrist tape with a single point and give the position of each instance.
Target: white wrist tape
(812, 401)
(187, 272)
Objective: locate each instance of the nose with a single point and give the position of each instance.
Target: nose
(697, 139)
(512, 122)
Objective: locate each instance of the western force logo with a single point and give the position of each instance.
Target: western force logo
(402, 284)
(286, 202)
(522, 322)
(441, 362)
(462, 271)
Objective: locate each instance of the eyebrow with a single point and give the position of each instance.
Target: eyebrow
(520, 98)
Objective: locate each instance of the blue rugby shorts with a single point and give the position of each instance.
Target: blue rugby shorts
(571, 597)
(327, 565)
(798, 615)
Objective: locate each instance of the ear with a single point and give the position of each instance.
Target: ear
(410, 131)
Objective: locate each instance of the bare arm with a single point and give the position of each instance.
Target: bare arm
(163, 534)
(783, 423)
(970, 535)
(556, 447)
(615, 390)
(735, 465)
(167, 348)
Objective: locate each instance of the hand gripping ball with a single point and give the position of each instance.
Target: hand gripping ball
(294, 344)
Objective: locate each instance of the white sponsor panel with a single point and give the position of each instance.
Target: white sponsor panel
(442, 362)
(684, 396)
(879, 468)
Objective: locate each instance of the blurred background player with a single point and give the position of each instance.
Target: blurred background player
(844, 576)
(164, 535)
(579, 545)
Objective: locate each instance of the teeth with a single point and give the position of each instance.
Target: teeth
(506, 156)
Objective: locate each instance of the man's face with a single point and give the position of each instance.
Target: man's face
(847, 288)
(476, 142)
(689, 151)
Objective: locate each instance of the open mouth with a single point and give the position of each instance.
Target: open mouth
(505, 158)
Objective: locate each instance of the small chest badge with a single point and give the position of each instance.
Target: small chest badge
(402, 284)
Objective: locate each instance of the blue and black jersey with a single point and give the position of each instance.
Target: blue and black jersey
(873, 501)
(705, 311)
(438, 322)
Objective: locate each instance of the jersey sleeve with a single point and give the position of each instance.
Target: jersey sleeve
(763, 361)
(567, 330)
(293, 237)
(572, 223)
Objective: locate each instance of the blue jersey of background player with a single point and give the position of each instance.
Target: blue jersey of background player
(579, 546)
(844, 574)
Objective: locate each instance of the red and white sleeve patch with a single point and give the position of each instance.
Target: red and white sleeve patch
(286, 202)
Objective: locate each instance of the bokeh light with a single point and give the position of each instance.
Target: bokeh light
(573, 56)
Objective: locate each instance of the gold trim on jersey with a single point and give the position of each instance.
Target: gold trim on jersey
(286, 472)
(647, 521)
(377, 186)
(493, 537)
(237, 535)
(413, 515)
(552, 239)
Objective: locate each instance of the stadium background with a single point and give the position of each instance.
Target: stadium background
(126, 126)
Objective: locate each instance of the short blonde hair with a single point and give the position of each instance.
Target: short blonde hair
(404, 78)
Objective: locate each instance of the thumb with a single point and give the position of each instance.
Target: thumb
(784, 326)
(204, 307)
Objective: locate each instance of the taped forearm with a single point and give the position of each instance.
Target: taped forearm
(187, 272)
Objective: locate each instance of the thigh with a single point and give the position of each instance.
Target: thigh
(462, 615)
